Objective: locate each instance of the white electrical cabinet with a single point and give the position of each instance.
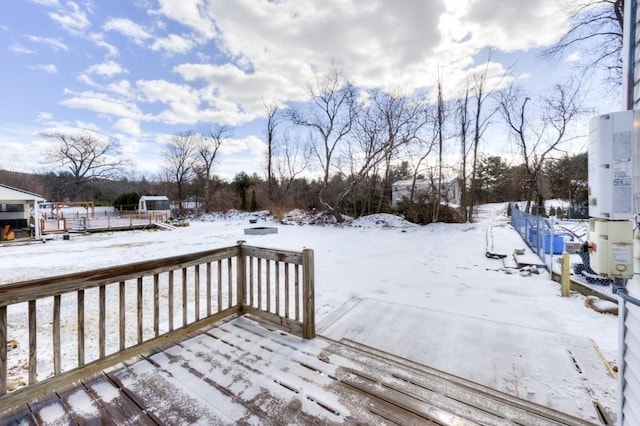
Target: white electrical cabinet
(611, 247)
(610, 166)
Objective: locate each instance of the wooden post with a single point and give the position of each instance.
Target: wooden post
(308, 296)
(241, 275)
(3, 350)
(564, 280)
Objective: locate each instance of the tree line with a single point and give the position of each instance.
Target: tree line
(562, 178)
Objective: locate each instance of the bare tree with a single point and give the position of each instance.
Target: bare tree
(538, 137)
(273, 120)
(291, 159)
(208, 145)
(179, 162)
(463, 122)
(402, 119)
(387, 124)
(330, 119)
(440, 118)
(86, 155)
(596, 30)
(481, 119)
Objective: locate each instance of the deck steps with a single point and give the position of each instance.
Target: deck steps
(245, 372)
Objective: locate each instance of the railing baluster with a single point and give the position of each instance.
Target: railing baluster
(297, 291)
(139, 307)
(286, 290)
(184, 296)
(259, 283)
(80, 322)
(196, 291)
(229, 283)
(219, 285)
(122, 316)
(56, 335)
(170, 296)
(268, 285)
(251, 281)
(156, 304)
(277, 288)
(3, 350)
(33, 343)
(208, 289)
(101, 322)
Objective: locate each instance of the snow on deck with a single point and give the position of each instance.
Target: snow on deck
(240, 372)
(501, 356)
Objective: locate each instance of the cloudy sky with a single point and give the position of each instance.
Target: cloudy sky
(142, 70)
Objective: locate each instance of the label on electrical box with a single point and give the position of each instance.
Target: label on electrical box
(621, 254)
(622, 173)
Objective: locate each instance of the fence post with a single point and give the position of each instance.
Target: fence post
(564, 278)
(308, 296)
(241, 274)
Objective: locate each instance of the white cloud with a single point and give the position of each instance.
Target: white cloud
(17, 48)
(55, 44)
(574, 57)
(509, 26)
(191, 13)
(73, 19)
(122, 88)
(102, 103)
(49, 68)
(128, 28)
(84, 78)
(173, 43)
(48, 3)
(128, 126)
(107, 69)
(98, 39)
(166, 92)
(45, 116)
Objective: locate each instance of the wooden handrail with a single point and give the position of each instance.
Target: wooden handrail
(135, 304)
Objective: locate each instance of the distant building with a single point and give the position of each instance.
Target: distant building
(157, 205)
(16, 208)
(402, 189)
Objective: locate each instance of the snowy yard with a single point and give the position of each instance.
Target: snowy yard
(439, 267)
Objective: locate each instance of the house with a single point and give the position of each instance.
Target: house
(402, 189)
(16, 207)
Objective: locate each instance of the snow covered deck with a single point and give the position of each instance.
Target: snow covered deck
(505, 357)
(241, 372)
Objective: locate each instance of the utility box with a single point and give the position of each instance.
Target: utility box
(611, 248)
(611, 153)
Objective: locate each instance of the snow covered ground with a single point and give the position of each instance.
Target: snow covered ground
(439, 267)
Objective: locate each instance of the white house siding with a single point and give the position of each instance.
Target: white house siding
(629, 314)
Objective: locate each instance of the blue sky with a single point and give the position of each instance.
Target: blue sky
(140, 71)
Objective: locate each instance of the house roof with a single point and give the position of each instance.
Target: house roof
(154, 197)
(8, 193)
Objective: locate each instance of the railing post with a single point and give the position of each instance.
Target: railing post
(241, 274)
(3, 350)
(308, 295)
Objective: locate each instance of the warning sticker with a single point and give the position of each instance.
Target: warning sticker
(621, 253)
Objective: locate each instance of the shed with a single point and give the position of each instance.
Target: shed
(16, 206)
(156, 205)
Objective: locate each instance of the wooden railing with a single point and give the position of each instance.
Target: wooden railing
(56, 330)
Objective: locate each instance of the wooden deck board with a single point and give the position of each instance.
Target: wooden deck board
(115, 404)
(245, 372)
(20, 415)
